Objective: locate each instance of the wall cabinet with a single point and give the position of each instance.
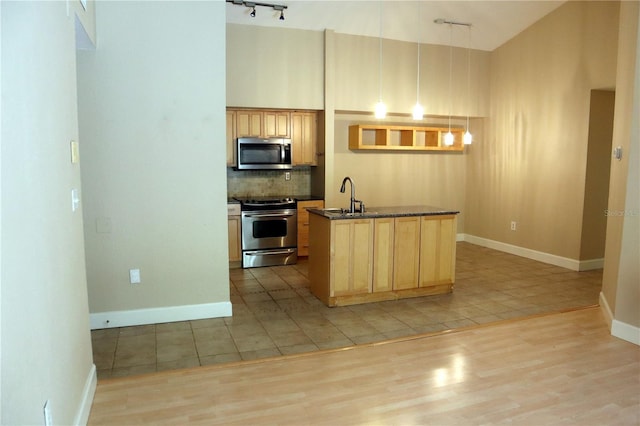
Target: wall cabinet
(234, 225)
(299, 126)
(277, 124)
(304, 138)
(402, 138)
(262, 124)
(303, 224)
(231, 138)
(249, 123)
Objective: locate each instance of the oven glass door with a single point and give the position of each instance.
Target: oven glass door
(269, 229)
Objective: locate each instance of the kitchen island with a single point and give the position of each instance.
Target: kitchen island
(385, 253)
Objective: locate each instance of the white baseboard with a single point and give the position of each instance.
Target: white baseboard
(590, 265)
(564, 262)
(626, 332)
(606, 310)
(159, 315)
(89, 391)
(619, 329)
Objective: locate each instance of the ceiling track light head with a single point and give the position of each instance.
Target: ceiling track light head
(253, 4)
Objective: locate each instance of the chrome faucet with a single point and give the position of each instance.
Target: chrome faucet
(352, 204)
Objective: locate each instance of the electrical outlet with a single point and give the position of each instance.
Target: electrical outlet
(287, 175)
(514, 225)
(134, 276)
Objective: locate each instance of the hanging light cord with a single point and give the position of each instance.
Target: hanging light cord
(468, 73)
(380, 59)
(450, 71)
(418, 83)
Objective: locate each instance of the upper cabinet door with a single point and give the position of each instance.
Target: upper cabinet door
(231, 138)
(249, 123)
(276, 124)
(304, 138)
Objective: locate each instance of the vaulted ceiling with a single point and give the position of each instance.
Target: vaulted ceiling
(492, 22)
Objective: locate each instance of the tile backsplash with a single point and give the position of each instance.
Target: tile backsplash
(264, 183)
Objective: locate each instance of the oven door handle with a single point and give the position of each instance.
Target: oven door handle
(280, 215)
(269, 253)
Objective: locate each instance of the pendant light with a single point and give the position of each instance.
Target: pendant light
(380, 108)
(468, 138)
(448, 137)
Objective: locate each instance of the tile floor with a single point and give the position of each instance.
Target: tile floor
(275, 314)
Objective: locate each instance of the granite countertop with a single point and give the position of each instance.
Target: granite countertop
(307, 197)
(232, 200)
(374, 212)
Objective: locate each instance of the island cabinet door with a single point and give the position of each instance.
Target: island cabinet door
(351, 256)
(383, 254)
(437, 250)
(406, 253)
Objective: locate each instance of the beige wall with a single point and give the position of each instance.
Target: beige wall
(531, 168)
(45, 340)
(152, 103)
(357, 78)
(395, 178)
(621, 272)
(596, 188)
(274, 68)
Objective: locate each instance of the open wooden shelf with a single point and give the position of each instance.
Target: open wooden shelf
(402, 138)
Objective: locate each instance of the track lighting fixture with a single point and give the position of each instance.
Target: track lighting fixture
(252, 5)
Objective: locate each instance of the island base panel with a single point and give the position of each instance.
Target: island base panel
(384, 296)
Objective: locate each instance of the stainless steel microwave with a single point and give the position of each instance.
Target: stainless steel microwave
(264, 154)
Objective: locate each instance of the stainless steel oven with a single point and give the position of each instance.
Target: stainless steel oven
(269, 231)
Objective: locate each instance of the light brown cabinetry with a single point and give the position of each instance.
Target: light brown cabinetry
(383, 237)
(406, 253)
(276, 124)
(231, 138)
(303, 224)
(384, 258)
(437, 250)
(249, 123)
(402, 138)
(299, 126)
(304, 138)
(234, 225)
(351, 256)
(262, 124)
(343, 255)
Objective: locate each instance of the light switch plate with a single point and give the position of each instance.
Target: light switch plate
(75, 153)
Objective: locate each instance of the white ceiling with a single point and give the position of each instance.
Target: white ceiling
(493, 22)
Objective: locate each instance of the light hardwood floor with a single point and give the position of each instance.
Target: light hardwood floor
(562, 368)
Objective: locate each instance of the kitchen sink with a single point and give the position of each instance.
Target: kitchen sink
(345, 212)
(336, 210)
